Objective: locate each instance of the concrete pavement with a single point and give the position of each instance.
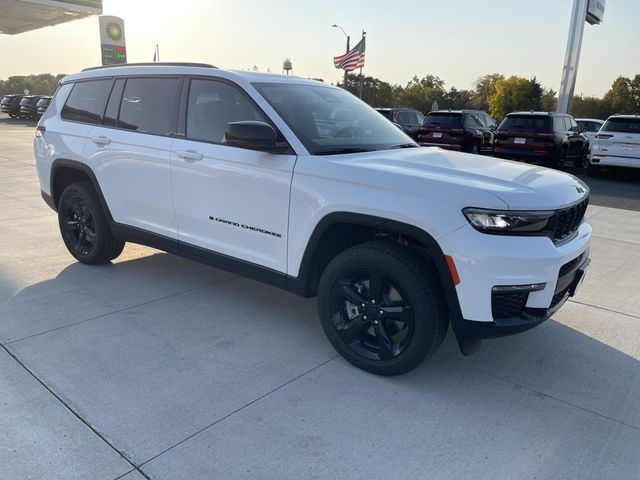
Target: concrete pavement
(157, 367)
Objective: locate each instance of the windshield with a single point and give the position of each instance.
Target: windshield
(443, 119)
(622, 125)
(527, 122)
(330, 120)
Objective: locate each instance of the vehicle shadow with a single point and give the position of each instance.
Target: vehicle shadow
(547, 359)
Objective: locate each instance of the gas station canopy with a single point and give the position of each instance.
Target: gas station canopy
(17, 16)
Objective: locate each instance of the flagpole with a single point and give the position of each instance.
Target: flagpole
(364, 34)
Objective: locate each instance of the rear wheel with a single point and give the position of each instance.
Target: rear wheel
(381, 308)
(13, 115)
(84, 226)
(475, 149)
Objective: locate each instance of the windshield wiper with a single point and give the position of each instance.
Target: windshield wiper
(405, 145)
(338, 151)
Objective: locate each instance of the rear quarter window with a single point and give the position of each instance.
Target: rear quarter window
(86, 101)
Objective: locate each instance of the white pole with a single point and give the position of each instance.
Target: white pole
(572, 56)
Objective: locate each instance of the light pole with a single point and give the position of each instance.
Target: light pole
(347, 51)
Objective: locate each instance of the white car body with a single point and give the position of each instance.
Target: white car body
(617, 144)
(261, 212)
(590, 127)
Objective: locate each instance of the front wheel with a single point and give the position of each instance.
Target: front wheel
(84, 226)
(382, 308)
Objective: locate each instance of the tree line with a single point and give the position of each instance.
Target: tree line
(42, 84)
(493, 93)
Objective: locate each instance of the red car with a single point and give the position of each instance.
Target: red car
(545, 137)
(465, 130)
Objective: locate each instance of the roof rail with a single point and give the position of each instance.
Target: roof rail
(147, 64)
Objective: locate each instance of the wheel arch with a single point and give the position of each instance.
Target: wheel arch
(64, 172)
(339, 230)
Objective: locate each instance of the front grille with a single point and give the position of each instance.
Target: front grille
(507, 305)
(567, 220)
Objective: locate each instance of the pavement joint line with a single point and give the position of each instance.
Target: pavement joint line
(255, 400)
(124, 309)
(604, 209)
(76, 414)
(533, 390)
(125, 474)
(605, 309)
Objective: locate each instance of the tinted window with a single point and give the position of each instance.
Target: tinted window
(472, 120)
(331, 120)
(148, 105)
(527, 122)
(212, 105)
(414, 118)
(589, 126)
(385, 113)
(111, 113)
(622, 125)
(86, 101)
(401, 118)
(489, 121)
(443, 119)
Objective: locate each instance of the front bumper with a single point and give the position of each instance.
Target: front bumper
(486, 261)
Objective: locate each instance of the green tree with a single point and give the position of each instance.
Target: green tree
(620, 96)
(515, 93)
(590, 107)
(420, 93)
(484, 88)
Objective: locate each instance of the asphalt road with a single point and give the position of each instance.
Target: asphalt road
(155, 367)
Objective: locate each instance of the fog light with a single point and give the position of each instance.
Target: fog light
(530, 287)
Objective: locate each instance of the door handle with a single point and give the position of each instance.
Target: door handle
(189, 155)
(101, 140)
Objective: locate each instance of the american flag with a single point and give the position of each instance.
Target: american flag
(351, 60)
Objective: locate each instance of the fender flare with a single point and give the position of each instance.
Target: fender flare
(429, 243)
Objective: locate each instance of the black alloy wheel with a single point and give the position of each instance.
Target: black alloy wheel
(382, 307)
(371, 314)
(78, 225)
(84, 226)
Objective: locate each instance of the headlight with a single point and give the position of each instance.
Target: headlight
(504, 221)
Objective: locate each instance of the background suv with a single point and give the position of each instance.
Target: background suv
(590, 126)
(467, 130)
(617, 144)
(547, 137)
(407, 118)
(10, 104)
(29, 106)
(42, 105)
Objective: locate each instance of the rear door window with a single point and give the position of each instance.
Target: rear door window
(149, 105)
(86, 101)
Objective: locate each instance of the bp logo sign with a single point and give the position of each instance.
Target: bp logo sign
(112, 40)
(114, 31)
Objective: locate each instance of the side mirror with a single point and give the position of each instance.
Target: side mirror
(253, 135)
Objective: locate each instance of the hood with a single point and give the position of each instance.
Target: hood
(518, 185)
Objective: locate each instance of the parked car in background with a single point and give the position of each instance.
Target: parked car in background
(466, 130)
(42, 105)
(29, 106)
(407, 118)
(10, 104)
(590, 126)
(547, 137)
(617, 144)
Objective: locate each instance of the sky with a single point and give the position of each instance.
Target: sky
(457, 40)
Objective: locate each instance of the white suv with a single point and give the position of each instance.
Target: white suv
(617, 144)
(304, 186)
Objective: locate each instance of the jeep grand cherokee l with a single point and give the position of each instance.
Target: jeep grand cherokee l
(546, 137)
(259, 175)
(466, 130)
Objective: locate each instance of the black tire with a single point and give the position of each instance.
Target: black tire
(593, 170)
(580, 161)
(559, 162)
(13, 115)
(474, 149)
(410, 311)
(84, 227)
